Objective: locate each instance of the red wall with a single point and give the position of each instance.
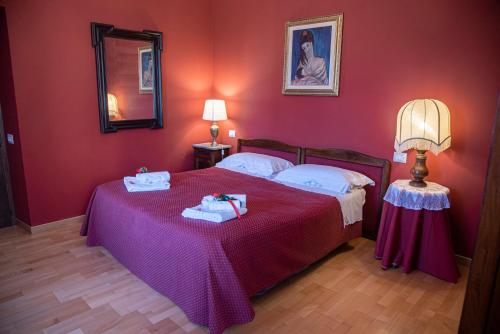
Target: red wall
(392, 52)
(65, 156)
(9, 114)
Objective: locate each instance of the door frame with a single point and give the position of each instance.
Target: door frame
(482, 297)
(4, 164)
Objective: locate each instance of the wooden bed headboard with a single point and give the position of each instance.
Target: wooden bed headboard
(377, 169)
(292, 153)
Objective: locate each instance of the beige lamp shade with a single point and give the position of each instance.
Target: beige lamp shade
(215, 110)
(423, 125)
(112, 106)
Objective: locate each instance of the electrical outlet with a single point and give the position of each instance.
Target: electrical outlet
(232, 133)
(10, 138)
(399, 157)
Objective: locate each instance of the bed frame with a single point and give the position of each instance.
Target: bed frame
(376, 168)
(272, 145)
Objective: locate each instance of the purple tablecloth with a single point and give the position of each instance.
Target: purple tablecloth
(416, 239)
(211, 270)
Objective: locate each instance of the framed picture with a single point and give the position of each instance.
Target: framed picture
(146, 70)
(312, 56)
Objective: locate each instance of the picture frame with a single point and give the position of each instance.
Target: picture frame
(146, 73)
(312, 56)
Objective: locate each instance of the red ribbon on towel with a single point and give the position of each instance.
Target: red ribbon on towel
(235, 209)
(226, 198)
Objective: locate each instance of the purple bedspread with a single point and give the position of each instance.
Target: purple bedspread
(211, 270)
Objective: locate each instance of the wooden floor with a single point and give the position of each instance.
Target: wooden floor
(52, 283)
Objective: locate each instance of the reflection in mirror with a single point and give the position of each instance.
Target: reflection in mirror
(113, 111)
(129, 75)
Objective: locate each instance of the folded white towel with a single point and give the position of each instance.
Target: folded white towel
(153, 177)
(133, 185)
(198, 212)
(211, 204)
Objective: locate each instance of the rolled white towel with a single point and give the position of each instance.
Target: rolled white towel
(153, 177)
(219, 205)
(210, 203)
(198, 212)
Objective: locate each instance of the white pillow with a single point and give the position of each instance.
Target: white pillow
(326, 177)
(244, 171)
(254, 163)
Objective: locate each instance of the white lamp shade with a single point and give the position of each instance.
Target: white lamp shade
(423, 125)
(112, 105)
(215, 110)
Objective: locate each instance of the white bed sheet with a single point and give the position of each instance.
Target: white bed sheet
(351, 203)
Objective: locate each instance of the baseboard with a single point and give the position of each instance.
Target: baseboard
(466, 261)
(23, 225)
(50, 226)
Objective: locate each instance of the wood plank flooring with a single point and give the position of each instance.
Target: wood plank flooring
(52, 283)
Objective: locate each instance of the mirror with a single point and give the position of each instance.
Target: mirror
(128, 77)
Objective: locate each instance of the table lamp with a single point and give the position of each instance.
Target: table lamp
(425, 126)
(113, 112)
(215, 110)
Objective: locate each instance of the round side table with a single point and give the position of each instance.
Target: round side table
(415, 230)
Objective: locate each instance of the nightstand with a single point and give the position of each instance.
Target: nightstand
(206, 155)
(415, 230)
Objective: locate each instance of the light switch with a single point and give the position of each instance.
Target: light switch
(399, 157)
(10, 138)
(232, 133)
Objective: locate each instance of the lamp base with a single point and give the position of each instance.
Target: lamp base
(214, 132)
(419, 171)
(418, 184)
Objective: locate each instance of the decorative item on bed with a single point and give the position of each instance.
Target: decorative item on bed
(423, 125)
(232, 261)
(218, 208)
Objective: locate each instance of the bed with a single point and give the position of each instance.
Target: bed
(211, 270)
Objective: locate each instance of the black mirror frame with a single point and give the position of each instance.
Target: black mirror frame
(99, 31)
